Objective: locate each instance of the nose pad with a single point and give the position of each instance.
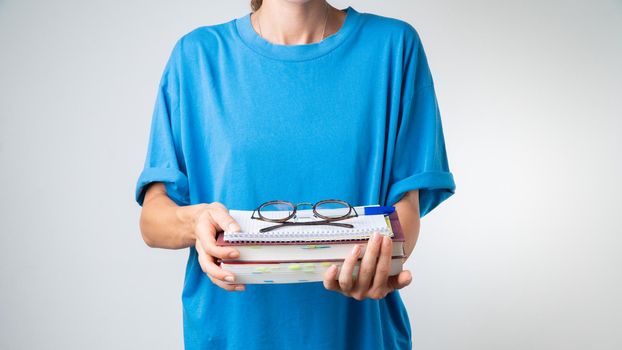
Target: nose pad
(305, 216)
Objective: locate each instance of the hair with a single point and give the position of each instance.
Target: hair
(256, 4)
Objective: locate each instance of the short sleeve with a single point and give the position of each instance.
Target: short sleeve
(164, 161)
(420, 157)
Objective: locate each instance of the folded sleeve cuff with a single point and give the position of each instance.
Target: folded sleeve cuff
(175, 181)
(434, 188)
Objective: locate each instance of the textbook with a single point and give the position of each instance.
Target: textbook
(292, 272)
(297, 261)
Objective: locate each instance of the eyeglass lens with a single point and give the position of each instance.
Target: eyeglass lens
(332, 209)
(276, 210)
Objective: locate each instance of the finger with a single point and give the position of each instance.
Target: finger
(345, 275)
(369, 262)
(206, 232)
(228, 287)
(384, 265)
(201, 256)
(400, 280)
(208, 265)
(330, 278)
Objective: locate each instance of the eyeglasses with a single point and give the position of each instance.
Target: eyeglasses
(328, 211)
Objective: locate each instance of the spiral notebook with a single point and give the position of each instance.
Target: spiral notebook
(364, 227)
(297, 251)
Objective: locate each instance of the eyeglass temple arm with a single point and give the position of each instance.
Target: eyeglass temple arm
(270, 228)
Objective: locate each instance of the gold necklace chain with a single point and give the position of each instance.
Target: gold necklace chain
(323, 30)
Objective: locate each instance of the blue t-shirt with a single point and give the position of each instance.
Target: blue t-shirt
(241, 121)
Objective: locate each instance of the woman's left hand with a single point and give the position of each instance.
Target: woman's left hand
(373, 276)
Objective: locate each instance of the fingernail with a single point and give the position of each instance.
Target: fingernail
(377, 236)
(234, 254)
(355, 250)
(234, 227)
(229, 278)
(240, 288)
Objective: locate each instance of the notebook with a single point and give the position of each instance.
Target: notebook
(364, 227)
(298, 251)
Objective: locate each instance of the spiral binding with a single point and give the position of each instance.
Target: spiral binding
(315, 236)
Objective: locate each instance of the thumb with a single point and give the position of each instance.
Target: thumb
(220, 214)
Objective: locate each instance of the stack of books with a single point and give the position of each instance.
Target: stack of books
(298, 254)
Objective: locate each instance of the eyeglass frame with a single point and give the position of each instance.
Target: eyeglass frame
(326, 220)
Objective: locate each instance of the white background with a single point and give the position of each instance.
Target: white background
(525, 255)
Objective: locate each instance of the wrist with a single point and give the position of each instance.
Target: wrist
(187, 217)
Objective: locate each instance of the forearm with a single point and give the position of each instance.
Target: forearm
(408, 212)
(164, 224)
(411, 231)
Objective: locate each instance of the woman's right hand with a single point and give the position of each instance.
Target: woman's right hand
(208, 220)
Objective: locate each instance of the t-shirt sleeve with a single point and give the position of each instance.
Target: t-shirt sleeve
(164, 161)
(420, 157)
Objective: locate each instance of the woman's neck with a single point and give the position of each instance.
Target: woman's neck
(291, 23)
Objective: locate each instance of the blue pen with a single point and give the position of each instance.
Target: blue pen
(378, 210)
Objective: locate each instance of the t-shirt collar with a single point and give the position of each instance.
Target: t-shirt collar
(298, 52)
